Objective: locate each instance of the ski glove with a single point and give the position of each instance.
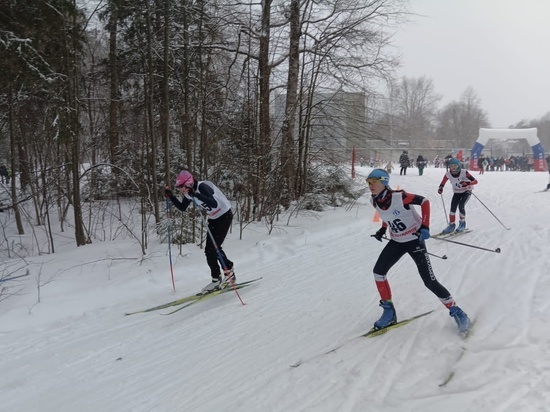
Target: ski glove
(424, 234)
(464, 184)
(168, 193)
(379, 234)
(440, 190)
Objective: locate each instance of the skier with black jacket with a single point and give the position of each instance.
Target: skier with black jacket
(219, 216)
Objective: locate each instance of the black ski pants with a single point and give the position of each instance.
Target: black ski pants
(393, 251)
(218, 228)
(459, 200)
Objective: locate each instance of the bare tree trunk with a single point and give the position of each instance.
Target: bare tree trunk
(287, 143)
(304, 135)
(149, 103)
(24, 166)
(265, 74)
(165, 109)
(186, 120)
(200, 163)
(187, 131)
(74, 126)
(114, 90)
(46, 201)
(25, 157)
(13, 155)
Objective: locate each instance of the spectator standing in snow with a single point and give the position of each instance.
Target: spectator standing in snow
(481, 162)
(405, 162)
(421, 164)
(447, 160)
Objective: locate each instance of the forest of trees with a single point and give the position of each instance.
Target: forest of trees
(109, 103)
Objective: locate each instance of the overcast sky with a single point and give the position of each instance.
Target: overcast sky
(499, 47)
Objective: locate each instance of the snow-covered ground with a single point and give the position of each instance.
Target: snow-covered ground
(77, 351)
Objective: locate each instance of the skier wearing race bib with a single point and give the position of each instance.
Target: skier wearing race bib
(408, 232)
(462, 182)
(219, 215)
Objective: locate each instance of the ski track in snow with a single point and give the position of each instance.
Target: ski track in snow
(76, 351)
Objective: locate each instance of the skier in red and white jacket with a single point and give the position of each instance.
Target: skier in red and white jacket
(408, 232)
(462, 182)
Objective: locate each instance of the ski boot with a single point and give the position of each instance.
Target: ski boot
(211, 287)
(461, 226)
(463, 322)
(449, 229)
(389, 316)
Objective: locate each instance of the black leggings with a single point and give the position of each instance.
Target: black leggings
(394, 251)
(219, 228)
(459, 200)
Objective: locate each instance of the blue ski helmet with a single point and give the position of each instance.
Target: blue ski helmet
(455, 162)
(380, 174)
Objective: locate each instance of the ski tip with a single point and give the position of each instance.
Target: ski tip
(465, 334)
(133, 313)
(447, 380)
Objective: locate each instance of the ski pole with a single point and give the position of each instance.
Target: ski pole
(444, 208)
(220, 257)
(497, 250)
(169, 213)
(507, 228)
(444, 257)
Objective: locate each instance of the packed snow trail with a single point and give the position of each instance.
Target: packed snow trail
(75, 350)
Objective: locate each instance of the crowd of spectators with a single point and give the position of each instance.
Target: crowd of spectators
(489, 163)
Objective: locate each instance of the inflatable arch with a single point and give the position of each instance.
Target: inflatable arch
(505, 134)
